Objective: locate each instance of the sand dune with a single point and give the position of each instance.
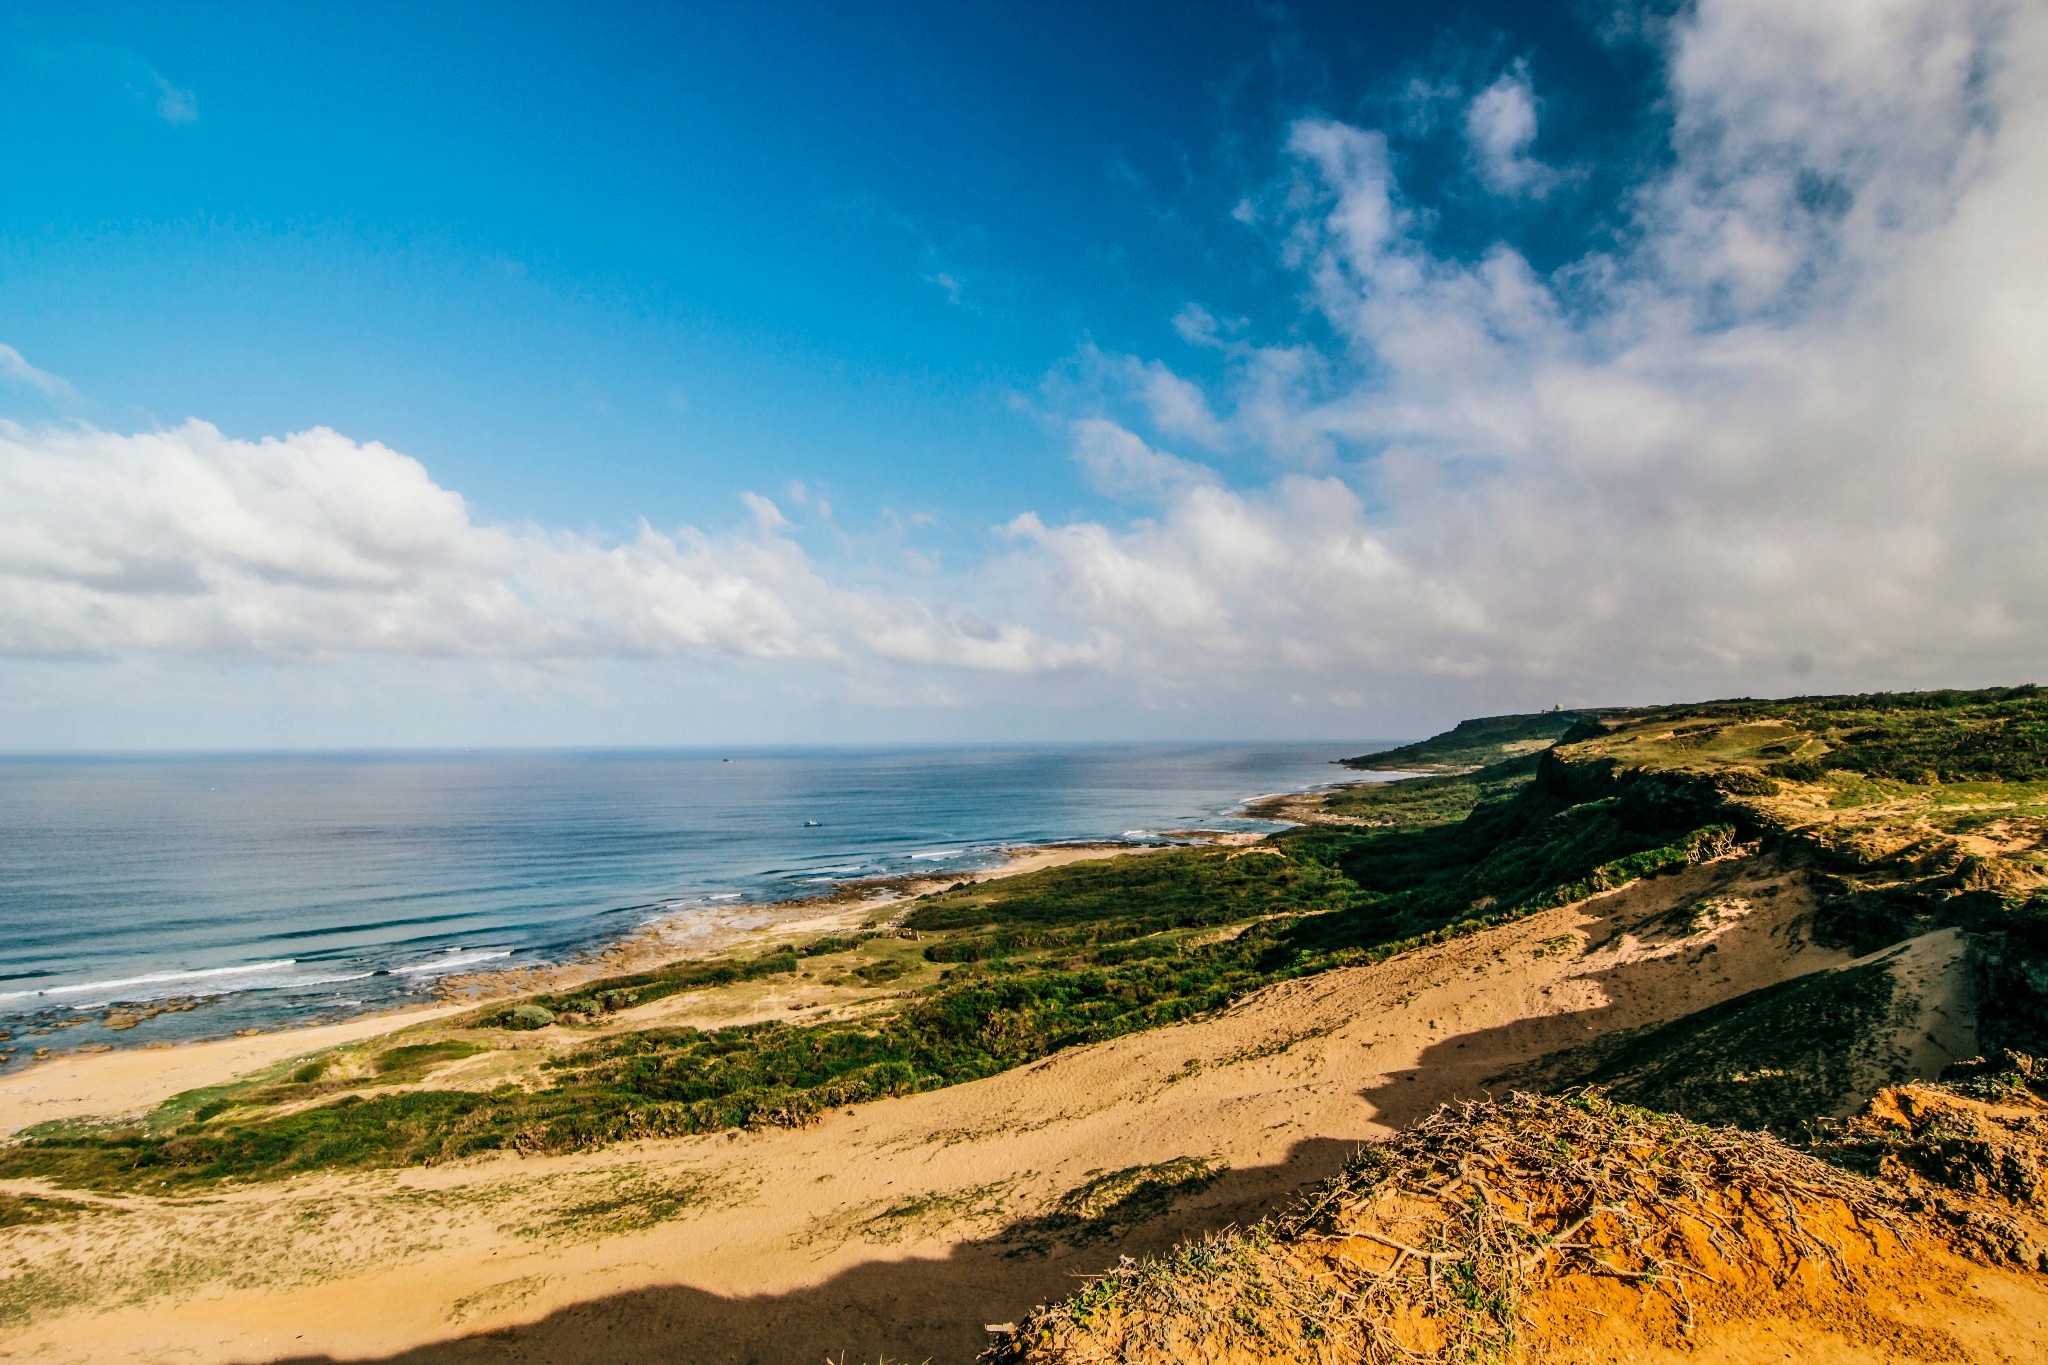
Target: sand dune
(903, 1227)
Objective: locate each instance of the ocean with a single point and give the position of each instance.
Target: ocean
(260, 890)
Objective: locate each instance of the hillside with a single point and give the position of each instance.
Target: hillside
(1582, 1227)
(1749, 913)
(1474, 744)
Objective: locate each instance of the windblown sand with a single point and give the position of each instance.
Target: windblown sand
(899, 1229)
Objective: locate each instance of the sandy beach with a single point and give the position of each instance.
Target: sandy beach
(130, 1081)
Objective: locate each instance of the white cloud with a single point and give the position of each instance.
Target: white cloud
(13, 366)
(186, 541)
(174, 105)
(143, 83)
(1119, 462)
(1500, 127)
(1793, 434)
(1197, 326)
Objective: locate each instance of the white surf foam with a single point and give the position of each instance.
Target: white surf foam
(154, 985)
(455, 960)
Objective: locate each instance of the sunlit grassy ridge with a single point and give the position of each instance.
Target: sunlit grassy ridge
(1479, 743)
(1923, 810)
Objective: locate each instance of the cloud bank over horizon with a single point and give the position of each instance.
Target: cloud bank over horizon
(1785, 430)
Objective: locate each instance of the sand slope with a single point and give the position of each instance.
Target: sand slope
(901, 1228)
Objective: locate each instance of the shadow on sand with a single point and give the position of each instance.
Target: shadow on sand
(912, 1310)
(908, 1310)
(1636, 992)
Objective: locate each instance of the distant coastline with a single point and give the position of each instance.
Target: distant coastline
(106, 1081)
(65, 1026)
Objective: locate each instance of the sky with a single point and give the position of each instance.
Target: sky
(393, 375)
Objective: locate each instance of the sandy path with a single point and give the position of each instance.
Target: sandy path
(901, 1227)
(131, 1081)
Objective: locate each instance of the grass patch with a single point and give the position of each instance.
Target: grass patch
(414, 1060)
(1774, 1059)
(37, 1291)
(934, 1211)
(630, 1204)
(29, 1210)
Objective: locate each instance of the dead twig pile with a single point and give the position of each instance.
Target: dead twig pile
(1426, 1247)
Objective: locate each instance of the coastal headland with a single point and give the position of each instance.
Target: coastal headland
(1737, 941)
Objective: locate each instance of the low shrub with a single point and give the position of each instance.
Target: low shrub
(528, 1017)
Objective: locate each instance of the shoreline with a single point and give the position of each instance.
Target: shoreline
(124, 1082)
(703, 931)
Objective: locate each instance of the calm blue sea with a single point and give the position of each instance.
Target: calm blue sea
(283, 889)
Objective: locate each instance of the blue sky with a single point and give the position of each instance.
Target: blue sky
(599, 262)
(912, 273)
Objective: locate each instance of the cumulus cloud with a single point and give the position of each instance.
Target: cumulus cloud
(1119, 462)
(1500, 127)
(187, 541)
(1795, 426)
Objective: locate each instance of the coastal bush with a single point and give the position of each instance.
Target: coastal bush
(527, 1017)
(1429, 800)
(1746, 782)
(1476, 743)
(613, 994)
(1864, 920)
(882, 970)
(1997, 735)
(1526, 848)
(2009, 967)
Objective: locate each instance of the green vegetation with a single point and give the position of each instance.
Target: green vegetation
(1774, 1059)
(1526, 847)
(988, 976)
(1429, 800)
(23, 1210)
(1475, 743)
